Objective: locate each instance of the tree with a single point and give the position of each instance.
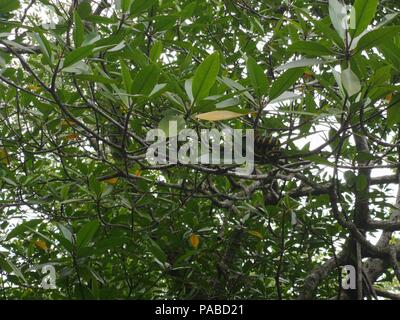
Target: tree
(83, 82)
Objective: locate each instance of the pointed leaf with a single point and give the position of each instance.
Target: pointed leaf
(219, 115)
(145, 80)
(156, 51)
(205, 76)
(79, 33)
(44, 46)
(350, 82)
(364, 13)
(376, 37)
(14, 268)
(86, 233)
(284, 82)
(337, 12)
(157, 251)
(257, 77)
(126, 76)
(77, 55)
(165, 123)
(23, 227)
(194, 240)
(307, 62)
(310, 48)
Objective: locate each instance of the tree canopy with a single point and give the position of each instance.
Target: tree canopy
(83, 82)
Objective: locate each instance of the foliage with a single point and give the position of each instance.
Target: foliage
(79, 93)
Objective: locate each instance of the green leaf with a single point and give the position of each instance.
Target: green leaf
(112, 242)
(95, 185)
(188, 10)
(14, 268)
(390, 52)
(126, 5)
(145, 80)
(306, 62)
(205, 76)
(350, 82)
(86, 233)
(44, 46)
(139, 58)
(10, 181)
(237, 87)
(376, 37)
(157, 251)
(381, 76)
(84, 9)
(165, 123)
(7, 6)
(101, 20)
(79, 31)
(364, 13)
(314, 49)
(284, 82)
(66, 233)
(338, 13)
(257, 77)
(188, 89)
(109, 44)
(77, 55)
(116, 48)
(156, 51)
(126, 76)
(227, 103)
(23, 227)
(158, 89)
(78, 68)
(328, 33)
(139, 6)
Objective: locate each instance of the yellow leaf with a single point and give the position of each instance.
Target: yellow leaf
(68, 123)
(4, 159)
(308, 76)
(112, 181)
(255, 234)
(41, 244)
(33, 87)
(138, 173)
(123, 109)
(389, 98)
(72, 137)
(393, 241)
(219, 115)
(194, 240)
